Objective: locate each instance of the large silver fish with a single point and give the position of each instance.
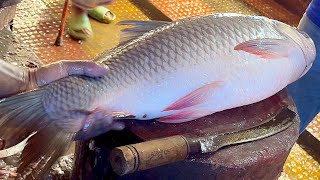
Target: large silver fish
(170, 71)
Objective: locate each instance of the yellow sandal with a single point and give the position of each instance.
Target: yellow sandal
(102, 14)
(80, 27)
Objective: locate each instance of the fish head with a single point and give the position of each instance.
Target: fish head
(303, 40)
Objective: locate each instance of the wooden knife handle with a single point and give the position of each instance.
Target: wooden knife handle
(149, 154)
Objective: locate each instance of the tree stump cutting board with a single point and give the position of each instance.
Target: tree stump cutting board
(261, 159)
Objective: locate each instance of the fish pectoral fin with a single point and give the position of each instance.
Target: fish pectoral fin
(138, 29)
(196, 97)
(266, 47)
(184, 116)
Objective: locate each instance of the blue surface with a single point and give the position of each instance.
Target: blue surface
(313, 12)
(306, 91)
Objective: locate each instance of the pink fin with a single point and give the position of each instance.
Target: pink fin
(196, 97)
(179, 117)
(266, 48)
(185, 116)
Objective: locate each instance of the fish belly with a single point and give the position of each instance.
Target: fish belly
(240, 84)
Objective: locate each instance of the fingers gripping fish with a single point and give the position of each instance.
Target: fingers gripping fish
(170, 71)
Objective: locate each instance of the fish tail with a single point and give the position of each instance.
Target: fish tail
(42, 151)
(23, 115)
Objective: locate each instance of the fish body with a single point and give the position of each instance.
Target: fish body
(152, 72)
(170, 71)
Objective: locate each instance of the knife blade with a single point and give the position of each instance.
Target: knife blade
(145, 155)
(276, 124)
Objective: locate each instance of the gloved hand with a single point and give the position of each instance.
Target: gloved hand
(61, 69)
(15, 79)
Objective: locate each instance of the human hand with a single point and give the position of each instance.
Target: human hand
(52, 72)
(61, 69)
(15, 79)
(97, 123)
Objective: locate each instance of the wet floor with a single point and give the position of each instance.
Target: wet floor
(37, 23)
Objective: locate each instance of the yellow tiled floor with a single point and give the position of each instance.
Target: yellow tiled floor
(231, 6)
(314, 127)
(301, 166)
(37, 23)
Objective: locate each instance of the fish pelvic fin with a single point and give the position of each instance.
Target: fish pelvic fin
(23, 115)
(185, 115)
(266, 47)
(196, 97)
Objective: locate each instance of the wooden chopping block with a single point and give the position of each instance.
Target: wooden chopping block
(261, 159)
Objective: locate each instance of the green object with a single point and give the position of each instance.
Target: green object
(80, 27)
(102, 14)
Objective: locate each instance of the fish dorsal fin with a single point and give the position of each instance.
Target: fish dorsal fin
(138, 29)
